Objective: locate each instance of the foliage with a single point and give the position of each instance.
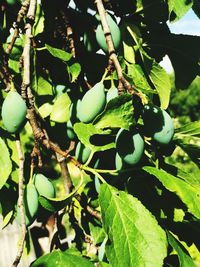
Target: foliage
(105, 127)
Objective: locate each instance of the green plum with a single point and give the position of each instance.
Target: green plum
(90, 42)
(115, 33)
(31, 204)
(70, 132)
(129, 146)
(158, 124)
(11, 2)
(82, 153)
(44, 186)
(13, 112)
(92, 103)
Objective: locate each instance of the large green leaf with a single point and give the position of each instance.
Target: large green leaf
(61, 54)
(134, 237)
(161, 81)
(61, 259)
(178, 8)
(190, 129)
(85, 132)
(5, 163)
(184, 259)
(188, 193)
(61, 109)
(117, 114)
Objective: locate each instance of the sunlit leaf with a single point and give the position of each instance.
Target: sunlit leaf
(134, 236)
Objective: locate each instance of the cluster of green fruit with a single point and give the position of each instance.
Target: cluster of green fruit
(40, 186)
(95, 40)
(157, 124)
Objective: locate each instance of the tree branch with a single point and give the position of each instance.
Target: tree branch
(123, 83)
(20, 202)
(65, 173)
(88, 208)
(69, 33)
(22, 12)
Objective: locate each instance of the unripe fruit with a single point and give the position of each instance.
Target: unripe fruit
(118, 162)
(115, 33)
(31, 204)
(158, 124)
(82, 153)
(92, 103)
(112, 93)
(44, 186)
(11, 2)
(130, 146)
(13, 112)
(70, 132)
(74, 108)
(90, 42)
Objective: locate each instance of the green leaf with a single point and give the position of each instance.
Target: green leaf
(192, 150)
(74, 70)
(188, 193)
(117, 114)
(61, 54)
(161, 81)
(60, 259)
(103, 264)
(5, 163)
(129, 53)
(44, 87)
(178, 8)
(134, 237)
(55, 204)
(128, 44)
(86, 131)
(45, 110)
(39, 21)
(191, 178)
(137, 76)
(61, 109)
(14, 65)
(97, 233)
(7, 218)
(190, 129)
(184, 259)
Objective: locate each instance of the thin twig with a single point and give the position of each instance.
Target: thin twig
(20, 202)
(22, 12)
(69, 33)
(88, 208)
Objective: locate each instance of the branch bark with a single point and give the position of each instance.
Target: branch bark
(123, 83)
(20, 202)
(65, 173)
